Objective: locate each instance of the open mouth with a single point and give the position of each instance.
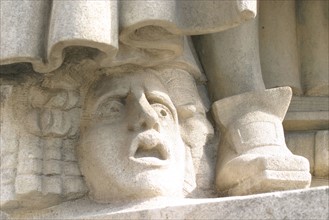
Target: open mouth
(149, 148)
(155, 152)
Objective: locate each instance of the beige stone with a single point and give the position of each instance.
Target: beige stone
(253, 156)
(302, 144)
(297, 204)
(321, 166)
(306, 120)
(115, 106)
(48, 167)
(130, 145)
(313, 41)
(278, 45)
(314, 146)
(307, 113)
(231, 61)
(32, 170)
(150, 31)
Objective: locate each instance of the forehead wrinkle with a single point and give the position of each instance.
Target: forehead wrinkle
(111, 86)
(123, 83)
(150, 84)
(108, 87)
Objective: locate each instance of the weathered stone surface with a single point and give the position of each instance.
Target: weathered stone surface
(298, 204)
(150, 31)
(253, 156)
(309, 104)
(225, 57)
(131, 135)
(321, 166)
(315, 147)
(301, 121)
(302, 144)
(307, 113)
(279, 47)
(116, 107)
(313, 41)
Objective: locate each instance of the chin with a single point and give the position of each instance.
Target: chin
(143, 186)
(159, 184)
(135, 193)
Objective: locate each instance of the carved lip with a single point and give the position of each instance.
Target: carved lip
(150, 149)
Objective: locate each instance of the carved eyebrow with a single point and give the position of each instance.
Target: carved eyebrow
(163, 99)
(106, 96)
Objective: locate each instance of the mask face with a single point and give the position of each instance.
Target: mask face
(130, 144)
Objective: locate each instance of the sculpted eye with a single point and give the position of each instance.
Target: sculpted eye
(111, 108)
(163, 113)
(162, 105)
(162, 110)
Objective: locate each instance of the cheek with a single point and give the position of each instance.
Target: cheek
(103, 141)
(171, 132)
(169, 128)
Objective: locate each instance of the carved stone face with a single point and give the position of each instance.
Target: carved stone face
(130, 144)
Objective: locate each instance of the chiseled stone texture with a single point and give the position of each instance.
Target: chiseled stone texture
(297, 204)
(315, 147)
(253, 157)
(96, 24)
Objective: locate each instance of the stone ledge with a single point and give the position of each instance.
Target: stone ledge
(305, 121)
(296, 204)
(307, 113)
(309, 104)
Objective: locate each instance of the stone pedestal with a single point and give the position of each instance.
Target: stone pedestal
(297, 204)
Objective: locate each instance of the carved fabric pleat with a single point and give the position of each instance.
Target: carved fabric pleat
(150, 31)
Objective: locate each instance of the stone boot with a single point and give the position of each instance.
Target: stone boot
(253, 156)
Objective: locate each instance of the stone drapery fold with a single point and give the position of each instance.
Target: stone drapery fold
(146, 33)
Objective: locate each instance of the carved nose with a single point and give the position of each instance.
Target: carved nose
(142, 115)
(148, 118)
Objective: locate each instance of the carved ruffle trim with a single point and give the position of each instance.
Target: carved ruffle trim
(145, 33)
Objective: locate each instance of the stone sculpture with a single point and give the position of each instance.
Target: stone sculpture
(114, 104)
(68, 121)
(131, 146)
(253, 156)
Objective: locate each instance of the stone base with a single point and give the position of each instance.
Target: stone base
(296, 204)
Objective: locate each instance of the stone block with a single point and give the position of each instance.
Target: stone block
(30, 145)
(302, 121)
(7, 176)
(28, 184)
(297, 204)
(321, 167)
(51, 184)
(52, 167)
(29, 166)
(302, 144)
(32, 150)
(8, 161)
(74, 185)
(68, 151)
(52, 149)
(52, 153)
(307, 113)
(71, 169)
(8, 199)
